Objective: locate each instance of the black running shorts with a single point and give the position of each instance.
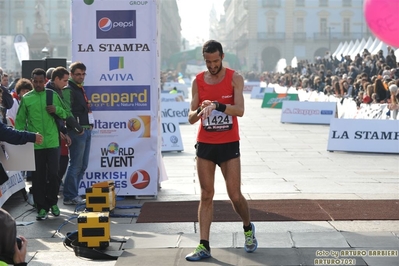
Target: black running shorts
(218, 153)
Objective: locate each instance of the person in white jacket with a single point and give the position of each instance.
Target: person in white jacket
(23, 86)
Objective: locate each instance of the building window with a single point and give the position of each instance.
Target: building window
(271, 25)
(2, 4)
(347, 26)
(323, 3)
(62, 4)
(19, 3)
(300, 3)
(300, 25)
(346, 3)
(19, 26)
(62, 27)
(323, 26)
(271, 3)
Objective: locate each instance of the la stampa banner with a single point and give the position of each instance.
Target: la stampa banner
(117, 41)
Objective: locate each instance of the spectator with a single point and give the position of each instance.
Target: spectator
(4, 80)
(394, 101)
(35, 115)
(6, 102)
(318, 84)
(368, 93)
(379, 89)
(57, 82)
(80, 148)
(21, 88)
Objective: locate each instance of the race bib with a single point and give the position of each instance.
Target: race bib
(218, 121)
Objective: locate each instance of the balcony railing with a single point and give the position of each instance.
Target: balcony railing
(271, 3)
(340, 35)
(271, 35)
(299, 36)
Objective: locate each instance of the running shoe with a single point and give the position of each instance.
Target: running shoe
(75, 201)
(198, 254)
(55, 210)
(42, 215)
(251, 244)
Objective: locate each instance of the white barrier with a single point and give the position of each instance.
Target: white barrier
(171, 136)
(308, 112)
(259, 93)
(177, 110)
(14, 184)
(364, 135)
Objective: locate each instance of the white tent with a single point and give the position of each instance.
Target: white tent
(354, 47)
(381, 46)
(343, 48)
(368, 43)
(337, 50)
(346, 51)
(294, 62)
(373, 45)
(358, 49)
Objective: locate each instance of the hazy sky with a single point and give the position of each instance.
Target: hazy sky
(195, 18)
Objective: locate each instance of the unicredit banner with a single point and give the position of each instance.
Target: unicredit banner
(117, 41)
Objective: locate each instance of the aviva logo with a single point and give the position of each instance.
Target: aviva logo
(116, 62)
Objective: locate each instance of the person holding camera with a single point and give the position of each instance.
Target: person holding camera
(12, 249)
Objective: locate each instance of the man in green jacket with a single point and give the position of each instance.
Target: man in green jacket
(35, 116)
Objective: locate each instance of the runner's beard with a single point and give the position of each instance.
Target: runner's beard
(217, 72)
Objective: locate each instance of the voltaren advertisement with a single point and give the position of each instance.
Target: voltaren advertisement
(117, 41)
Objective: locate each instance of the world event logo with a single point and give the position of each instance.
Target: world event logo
(117, 24)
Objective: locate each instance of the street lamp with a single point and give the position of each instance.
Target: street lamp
(46, 52)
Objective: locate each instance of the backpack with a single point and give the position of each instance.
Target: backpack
(58, 121)
(69, 121)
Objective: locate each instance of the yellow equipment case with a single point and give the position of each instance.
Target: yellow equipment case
(101, 197)
(94, 229)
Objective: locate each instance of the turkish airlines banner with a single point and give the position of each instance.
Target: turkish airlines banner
(118, 42)
(364, 135)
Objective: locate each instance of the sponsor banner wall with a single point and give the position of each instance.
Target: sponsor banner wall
(118, 42)
(171, 136)
(308, 112)
(15, 183)
(178, 110)
(274, 100)
(364, 135)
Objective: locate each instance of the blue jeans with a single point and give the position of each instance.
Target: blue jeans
(79, 152)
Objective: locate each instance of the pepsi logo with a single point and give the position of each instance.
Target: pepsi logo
(140, 179)
(105, 24)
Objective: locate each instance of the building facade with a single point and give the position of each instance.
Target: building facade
(46, 23)
(261, 32)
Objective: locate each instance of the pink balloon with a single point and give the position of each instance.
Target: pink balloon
(382, 18)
